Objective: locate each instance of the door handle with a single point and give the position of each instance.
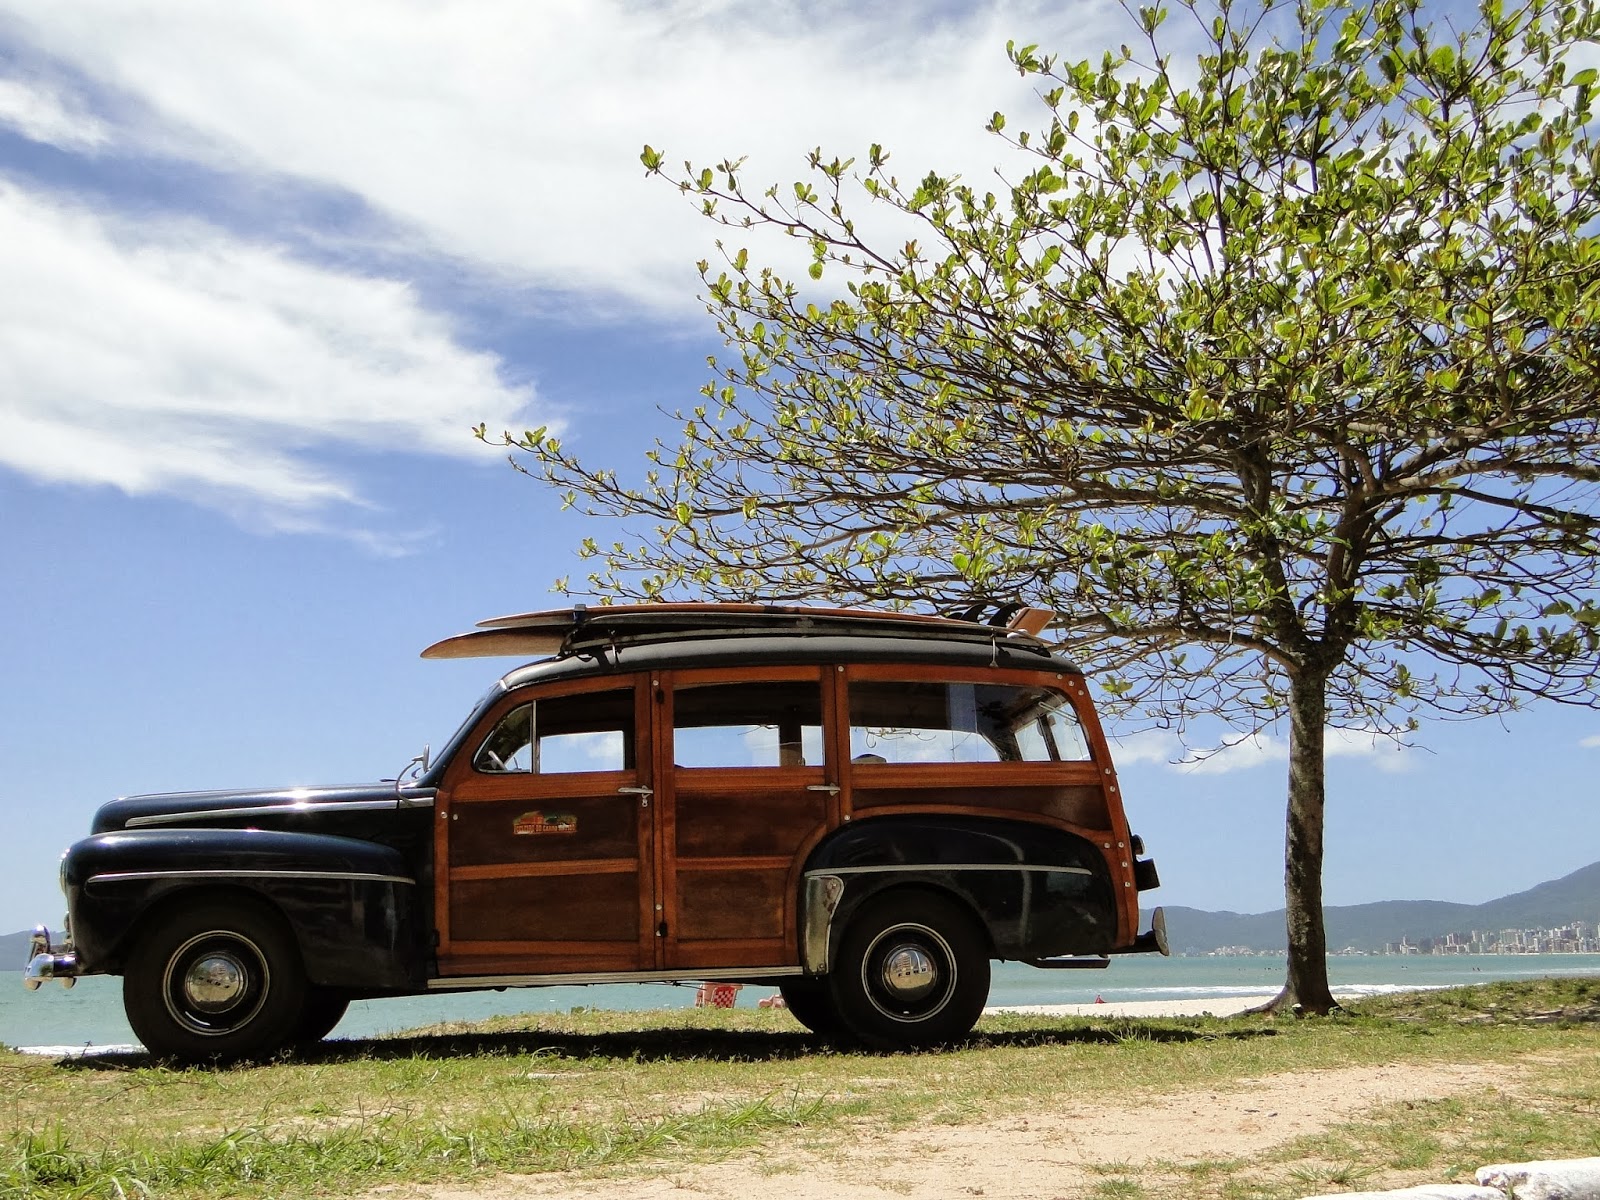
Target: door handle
(831, 788)
(643, 793)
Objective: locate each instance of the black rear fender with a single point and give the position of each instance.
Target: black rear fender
(1038, 891)
(351, 905)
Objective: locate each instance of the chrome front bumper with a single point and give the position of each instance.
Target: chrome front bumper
(49, 961)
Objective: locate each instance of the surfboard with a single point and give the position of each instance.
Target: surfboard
(550, 631)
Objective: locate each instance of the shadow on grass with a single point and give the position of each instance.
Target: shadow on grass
(665, 1045)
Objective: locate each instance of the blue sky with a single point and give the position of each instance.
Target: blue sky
(265, 265)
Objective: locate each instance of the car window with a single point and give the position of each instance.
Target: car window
(510, 746)
(588, 732)
(748, 725)
(907, 722)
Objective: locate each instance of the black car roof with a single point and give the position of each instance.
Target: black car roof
(785, 649)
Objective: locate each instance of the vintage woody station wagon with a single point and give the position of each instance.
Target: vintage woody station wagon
(860, 808)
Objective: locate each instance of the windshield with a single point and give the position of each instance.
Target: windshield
(418, 773)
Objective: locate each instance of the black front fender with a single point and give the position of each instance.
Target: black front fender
(352, 905)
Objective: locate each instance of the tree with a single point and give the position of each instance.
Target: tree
(1274, 371)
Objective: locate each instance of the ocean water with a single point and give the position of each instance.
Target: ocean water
(91, 1012)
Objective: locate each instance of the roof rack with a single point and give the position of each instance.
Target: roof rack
(565, 630)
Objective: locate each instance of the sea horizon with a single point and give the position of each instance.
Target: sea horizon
(90, 1014)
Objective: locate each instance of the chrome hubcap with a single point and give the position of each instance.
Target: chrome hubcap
(909, 973)
(214, 983)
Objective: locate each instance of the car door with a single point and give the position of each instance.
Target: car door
(747, 790)
(545, 839)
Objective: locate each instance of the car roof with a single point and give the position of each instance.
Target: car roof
(756, 651)
(579, 630)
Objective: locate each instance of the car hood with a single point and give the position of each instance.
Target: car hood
(253, 806)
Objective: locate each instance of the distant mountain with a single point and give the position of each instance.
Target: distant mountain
(13, 949)
(1574, 897)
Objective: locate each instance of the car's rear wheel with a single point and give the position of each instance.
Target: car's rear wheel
(324, 1008)
(912, 971)
(809, 1002)
(217, 982)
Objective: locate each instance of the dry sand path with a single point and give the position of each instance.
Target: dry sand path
(1044, 1156)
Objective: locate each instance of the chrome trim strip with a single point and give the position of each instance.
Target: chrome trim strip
(467, 982)
(937, 867)
(120, 876)
(294, 808)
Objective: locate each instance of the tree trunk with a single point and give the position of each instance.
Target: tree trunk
(1305, 990)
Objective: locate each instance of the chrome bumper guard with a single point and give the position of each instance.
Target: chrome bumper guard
(1152, 940)
(49, 961)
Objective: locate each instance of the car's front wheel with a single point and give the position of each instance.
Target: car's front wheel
(218, 981)
(912, 970)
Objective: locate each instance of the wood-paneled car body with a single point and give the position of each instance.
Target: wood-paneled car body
(862, 809)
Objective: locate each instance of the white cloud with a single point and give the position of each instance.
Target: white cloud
(508, 133)
(1239, 755)
(42, 115)
(1239, 752)
(1591, 742)
(1382, 752)
(1149, 746)
(178, 359)
(1232, 752)
(157, 356)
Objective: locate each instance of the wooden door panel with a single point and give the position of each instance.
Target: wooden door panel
(759, 817)
(735, 848)
(547, 827)
(731, 902)
(588, 907)
(1081, 806)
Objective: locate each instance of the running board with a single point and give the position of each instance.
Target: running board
(693, 975)
(1064, 964)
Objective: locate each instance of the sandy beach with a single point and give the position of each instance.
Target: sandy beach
(1211, 1006)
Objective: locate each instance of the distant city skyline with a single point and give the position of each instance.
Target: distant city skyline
(1579, 937)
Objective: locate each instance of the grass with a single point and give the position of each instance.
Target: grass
(599, 1092)
(1119, 1187)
